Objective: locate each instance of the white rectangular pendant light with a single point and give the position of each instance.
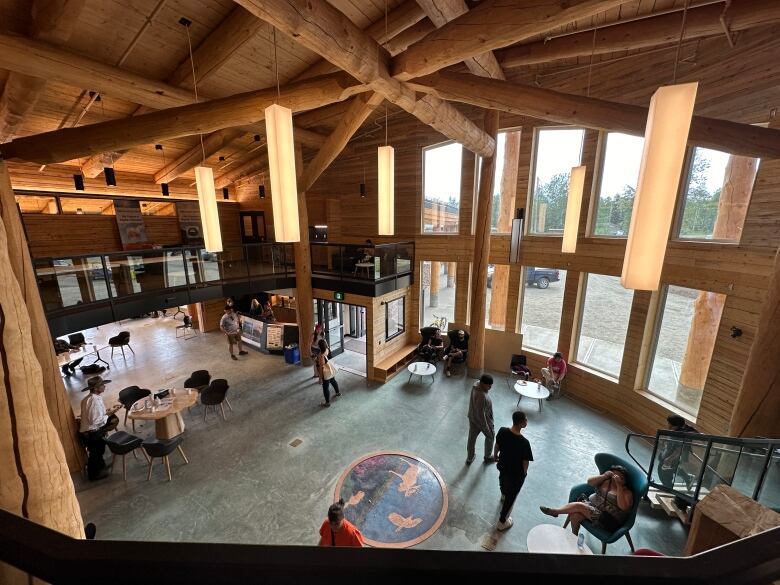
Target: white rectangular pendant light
(386, 190)
(573, 205)
(281, 163)
(666, 136)
(209, 215)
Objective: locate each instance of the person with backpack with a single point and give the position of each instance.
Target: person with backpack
(337, 530)
(326, 370)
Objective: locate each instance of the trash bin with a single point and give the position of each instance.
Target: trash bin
(292, 355)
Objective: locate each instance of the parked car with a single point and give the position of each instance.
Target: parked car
(541, 277)
(97, 273)
(491, 269)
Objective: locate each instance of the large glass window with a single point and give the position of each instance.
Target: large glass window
(617, 184)
(542, 304)
(557, 151)
(395, 321)
(716, 195)
(441, 188)
(606, 309)
(684, 342)
(505, 181)
(437, 294)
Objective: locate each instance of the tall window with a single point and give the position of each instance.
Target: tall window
(557, 151)
(441, 188)
(683, 345)
(395, 317)
(542, 304)
(437, 293)
(618, 179)
(716, 195)
(505, 181)
(603, 323)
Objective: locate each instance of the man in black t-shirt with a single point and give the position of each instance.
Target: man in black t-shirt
(513, 452)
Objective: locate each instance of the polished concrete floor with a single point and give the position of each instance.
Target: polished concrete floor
(246, 483)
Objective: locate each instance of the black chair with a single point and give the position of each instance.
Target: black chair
(186, 326)
(129, 396)
(120, 341)
(77, 339)
(518, 366)
(198, 380)
(161, 449)
(120, 444)
(214, 395)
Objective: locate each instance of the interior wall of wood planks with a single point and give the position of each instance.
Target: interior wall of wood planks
(738, 271)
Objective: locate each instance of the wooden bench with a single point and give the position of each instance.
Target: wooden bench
(390, 365)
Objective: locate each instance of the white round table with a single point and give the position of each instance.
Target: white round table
(531, 390)
(421, 369)
(548, 538)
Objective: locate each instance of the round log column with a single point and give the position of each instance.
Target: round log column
(303, 292)
(56, 397)
(435, 283)
(732, 208)
(476, 359)
(451, 272)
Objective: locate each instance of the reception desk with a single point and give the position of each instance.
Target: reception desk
(268, 337)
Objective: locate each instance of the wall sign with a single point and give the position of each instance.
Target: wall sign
(189, 223)
(339, 296)
(132, 231)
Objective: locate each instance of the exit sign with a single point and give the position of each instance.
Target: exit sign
(339, 296)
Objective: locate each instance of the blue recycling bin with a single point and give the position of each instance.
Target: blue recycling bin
(292, 355)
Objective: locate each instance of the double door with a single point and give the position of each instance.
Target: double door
(331, 315)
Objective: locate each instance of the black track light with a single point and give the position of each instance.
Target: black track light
(363, 190)
(225, 193)
(164, 188)
(78, 182)
(110, 176)
(261, 191)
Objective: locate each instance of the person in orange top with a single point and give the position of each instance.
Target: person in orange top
(337, 531)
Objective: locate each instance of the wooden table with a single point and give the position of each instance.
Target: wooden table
(549, 538)
(167, 418)
(531, 390)
(421, 369)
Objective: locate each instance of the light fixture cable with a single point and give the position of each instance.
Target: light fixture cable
(187, 25)
(679, 42)
(590, 65)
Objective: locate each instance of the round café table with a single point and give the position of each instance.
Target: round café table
(421, 369)
(168, 422)
(549, 538)
(531, 390)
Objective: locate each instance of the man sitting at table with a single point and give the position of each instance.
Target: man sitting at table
(96, 421)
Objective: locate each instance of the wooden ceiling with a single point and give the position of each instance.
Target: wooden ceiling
(144, 37)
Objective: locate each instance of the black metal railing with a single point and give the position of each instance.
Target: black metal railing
(72, 281)
(56, 558)
(366, 262)
(689, 465)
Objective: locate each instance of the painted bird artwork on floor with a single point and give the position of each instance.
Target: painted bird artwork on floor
(408, 480)
(401, 522)
(355, 499)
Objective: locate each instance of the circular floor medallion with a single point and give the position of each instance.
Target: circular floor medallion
(396, 499)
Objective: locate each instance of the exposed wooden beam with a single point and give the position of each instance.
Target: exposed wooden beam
(47, 62)
(649, 32)
(212, 143)
(245, 167)
(308, 137)
(398, 20)
(237, 110)
(443, 11)
(323, 29)
(493, 24)
(546, 104)
(228, 37)
(359, 110)
(94, 165)
(52, 21)
(410, 36)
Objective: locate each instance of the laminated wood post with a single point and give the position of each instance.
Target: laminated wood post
(451, 269)
(303, 293)
(435, 273)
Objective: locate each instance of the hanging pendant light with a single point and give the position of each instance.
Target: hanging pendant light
(261, 191)
(108, 173)
(225, 193)
(363, 190)
(163, 186)
(666, 135)
(281, 162)
(204, 177)
(78, 182)
(573, 206)
(386, 190)
(165, 189)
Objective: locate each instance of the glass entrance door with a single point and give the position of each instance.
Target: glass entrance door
(331, 315)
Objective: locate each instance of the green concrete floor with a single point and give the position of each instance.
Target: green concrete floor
(246, 484)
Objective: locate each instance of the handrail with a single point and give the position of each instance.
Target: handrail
(57, 558)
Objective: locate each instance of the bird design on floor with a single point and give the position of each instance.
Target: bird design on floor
(355, 499)
(408, 480)
(401, 522)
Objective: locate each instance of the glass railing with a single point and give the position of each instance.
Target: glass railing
(363, 261)
(78, 280)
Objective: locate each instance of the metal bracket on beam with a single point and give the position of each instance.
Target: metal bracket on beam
(729, 35)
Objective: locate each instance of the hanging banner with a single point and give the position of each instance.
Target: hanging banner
(132, 231)
(189, 223)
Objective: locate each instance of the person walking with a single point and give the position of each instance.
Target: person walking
(337, 530)
(513, 452)
(326, 372)
(481, 419)
(230, 324)
(319, 333)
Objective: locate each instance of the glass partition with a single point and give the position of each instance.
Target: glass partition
(363, 261)
(66, 282)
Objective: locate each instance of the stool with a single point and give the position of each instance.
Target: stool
(161, 449)
(122, 443)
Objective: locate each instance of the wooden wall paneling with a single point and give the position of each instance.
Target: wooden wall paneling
(209, 314)
(762, 224)
(383, 348)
